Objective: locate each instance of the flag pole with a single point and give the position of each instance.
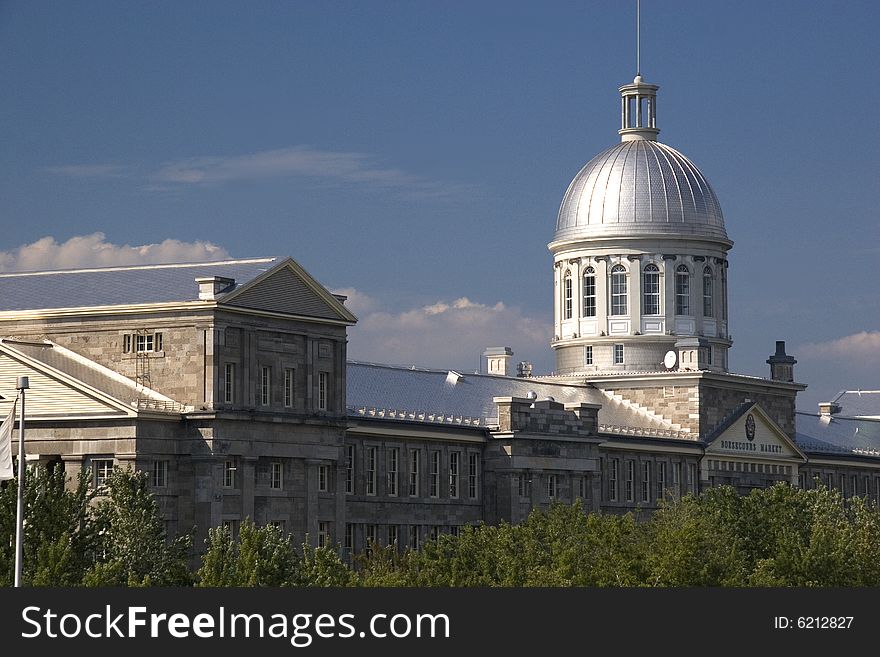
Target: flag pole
(22, 385)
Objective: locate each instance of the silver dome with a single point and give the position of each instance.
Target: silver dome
(639, 188)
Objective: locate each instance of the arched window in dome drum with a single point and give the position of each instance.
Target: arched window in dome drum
(708, 285)
(566, 296)
(618, 290)
(651, 290)
(589, 292)
(682, 290)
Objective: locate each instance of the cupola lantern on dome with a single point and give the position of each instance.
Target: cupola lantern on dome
(638, 111)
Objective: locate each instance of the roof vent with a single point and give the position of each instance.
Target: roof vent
(452, 377)
(211, 286)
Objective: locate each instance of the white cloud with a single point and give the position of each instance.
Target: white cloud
(863, 347)
(443, 334)
(95, 251)
(294, 161)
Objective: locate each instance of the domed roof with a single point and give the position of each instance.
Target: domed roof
(640, 187)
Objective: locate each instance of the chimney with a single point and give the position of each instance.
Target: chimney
(496, 360)
(524, 370)
(211, 286)
(781, 364)
(827, 409)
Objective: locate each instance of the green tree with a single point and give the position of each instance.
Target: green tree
(262, 556)
(59, 537)
(132, 548)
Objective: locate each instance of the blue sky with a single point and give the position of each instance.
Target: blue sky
(415, 153)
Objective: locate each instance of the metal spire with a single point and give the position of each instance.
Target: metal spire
(638, 37)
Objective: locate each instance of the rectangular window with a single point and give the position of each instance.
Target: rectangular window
(349, 536)
(322, 391)
(265, 383)
(646, 481)
(144, 342)
(567, 295)
(618, 354)
(229, 474)
(157, 343)
(473, 475)
(392, 535)
(589, 295)
(435, 532)
(454, 530)
(369, 538)
(552, 487)
(588, 355)
(676, 478)
(229, 383)
(612, 479)
(160, 474)
(434, 490)
(707, 293)
(682, 291)
(126, 343)
(288, 387)
(275, 475)
(280, 525)
(371, 470)
(349, 469)
(802, 480)
(231, 526)
(854, 486)
(414, 457)
(618, 291)
(661, 480)
(651, 293)
(415, 532)
(101, 471)
(692, 477)
(453, 474)
(630, 480)
(323, 478)
(393, 462)
(323, 534)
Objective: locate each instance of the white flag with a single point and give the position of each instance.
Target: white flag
(6, 471)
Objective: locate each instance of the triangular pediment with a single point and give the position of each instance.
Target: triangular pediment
(288, 289)
(53, 395)
(752, 434)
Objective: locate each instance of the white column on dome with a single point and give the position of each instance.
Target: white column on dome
(602, 294)
(634, 289)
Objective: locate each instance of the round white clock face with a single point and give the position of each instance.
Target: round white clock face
(669, 359)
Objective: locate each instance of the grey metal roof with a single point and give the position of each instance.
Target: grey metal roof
(418, 394)
(640, 187)
(858, 403)
(838, 434)
(112, 286)
(95, 375)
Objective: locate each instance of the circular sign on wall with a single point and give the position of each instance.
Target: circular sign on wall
(750, 427)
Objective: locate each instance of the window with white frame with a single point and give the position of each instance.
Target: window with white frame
(415, 534)
(567, 295)
(708, 285)
(349, 469)
(682, 290)
(393, 464)
(589, 292)
(618, 290)
(323, 534)
(552, 486)
(322, 391)
(588, 354)
(392, 535)
(323, 478)
(371, 471)
(276, 477)
(160, 473)
(618, 354)
(613, 466)
(453, 474)
(434, 488)
(651, 290)
(229, 469)
(289, 374)
(630, 480)
(646, 481)
(414, 462)
(102, 469)
(473, 475)
(265, 385)
(229, 383)
(523, 485)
